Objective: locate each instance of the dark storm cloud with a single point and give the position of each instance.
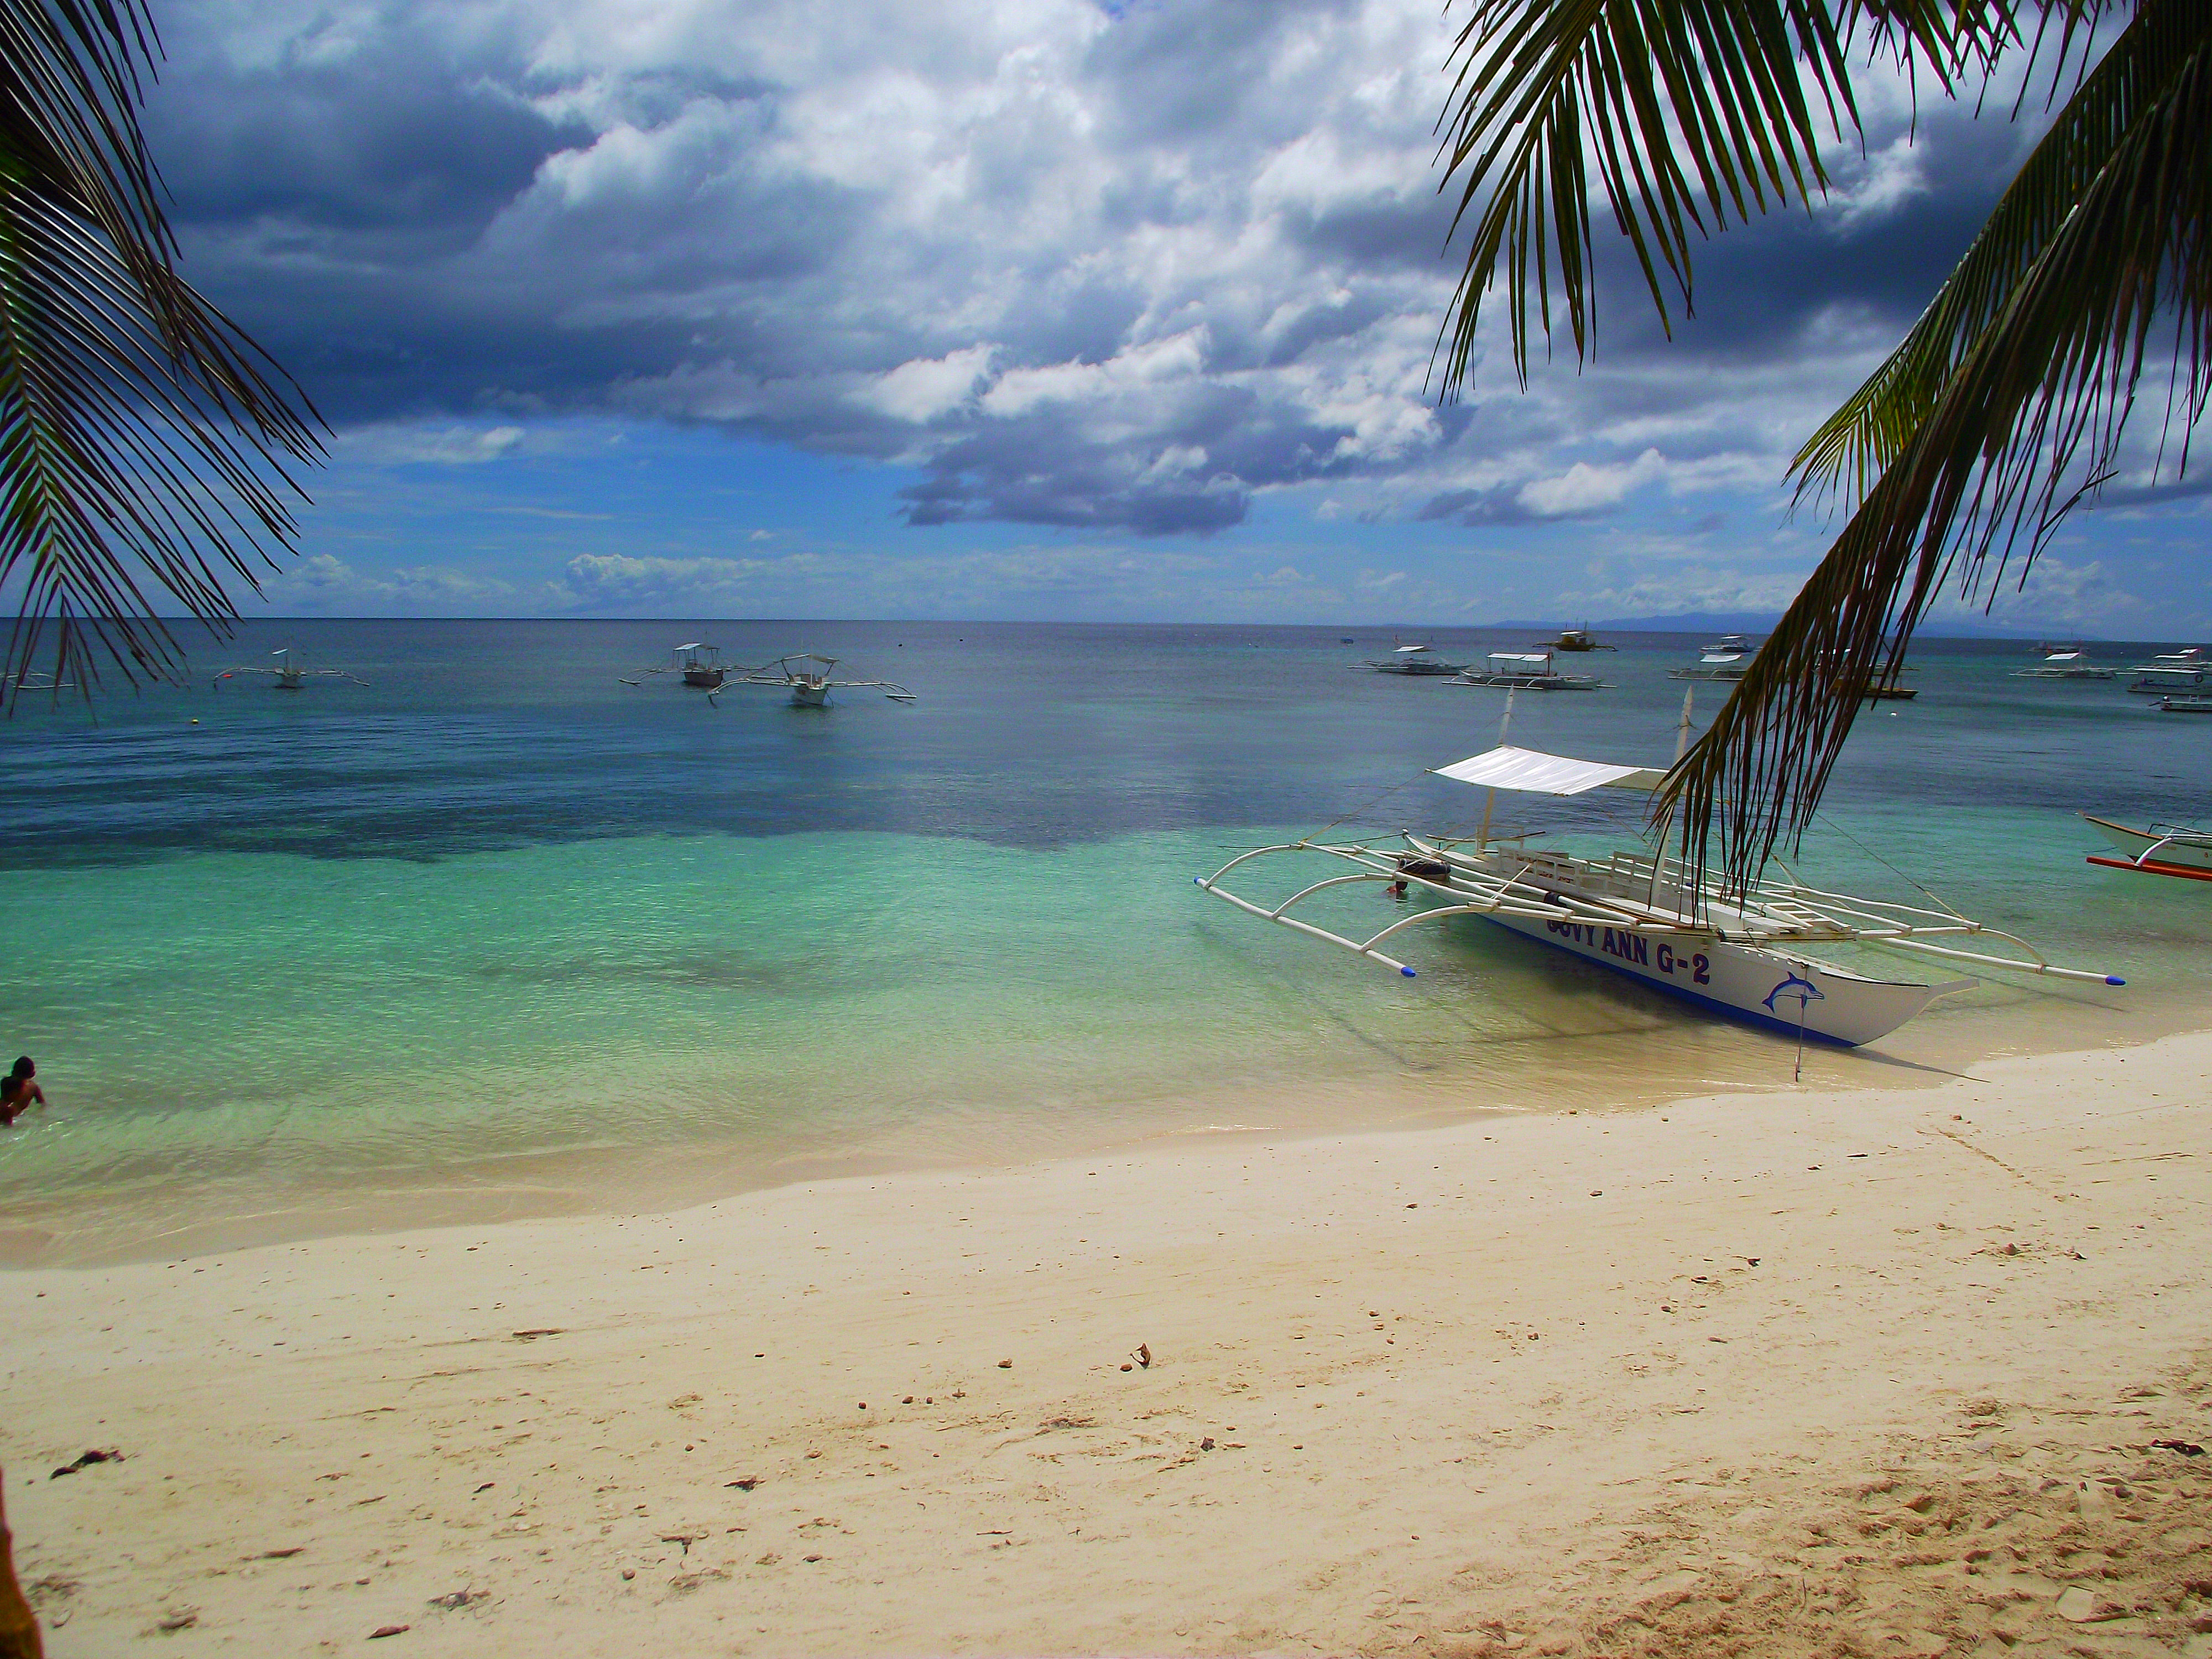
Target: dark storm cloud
(1074, 267)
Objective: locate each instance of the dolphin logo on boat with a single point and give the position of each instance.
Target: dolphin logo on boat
(1803, 989)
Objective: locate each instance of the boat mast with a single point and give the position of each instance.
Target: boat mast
(1490, 796)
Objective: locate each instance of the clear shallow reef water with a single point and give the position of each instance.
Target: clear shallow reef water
(496, 933)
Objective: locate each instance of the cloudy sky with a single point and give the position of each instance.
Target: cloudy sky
(1009, 308)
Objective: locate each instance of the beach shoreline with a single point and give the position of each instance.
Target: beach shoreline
(1556, 1383)
(1635, 1069)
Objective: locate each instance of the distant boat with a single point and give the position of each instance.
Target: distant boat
(1579, 639)
(2064, 662)
(1528, 671)
(1727, 659)
(694, 662)
(2171, 671)
(806, 675)
(2164, 849)
(2185, 704)
(1414, 659)
(288, 675)
(1890, 693)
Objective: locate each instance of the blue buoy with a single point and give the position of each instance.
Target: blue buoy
(2114, 979)
(1407, 972)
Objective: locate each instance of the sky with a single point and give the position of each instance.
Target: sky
(1034, 309)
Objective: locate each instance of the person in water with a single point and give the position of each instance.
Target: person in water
(20, 1091)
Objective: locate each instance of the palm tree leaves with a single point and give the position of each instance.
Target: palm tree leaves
(2026, 421)
(1693, 111)
(143, 438)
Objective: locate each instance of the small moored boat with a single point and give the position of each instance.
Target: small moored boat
(2164, 849)
(1414, 659)
(1527, 670)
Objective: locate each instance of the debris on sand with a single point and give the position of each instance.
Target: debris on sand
(86, 1460)
(459, 1599)
(383, 1630)
(746, 1484)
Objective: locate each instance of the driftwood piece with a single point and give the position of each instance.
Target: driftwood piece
(19, 1626)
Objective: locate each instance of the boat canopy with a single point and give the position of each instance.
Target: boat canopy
(1539, 774)
(1405, 648)
(1538, 658)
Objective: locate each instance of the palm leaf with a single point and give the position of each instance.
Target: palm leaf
(143, 438)
(1696, 112)
(2028, 420)
(1853, 445)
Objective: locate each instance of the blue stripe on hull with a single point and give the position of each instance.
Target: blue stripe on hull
(1788, 1028)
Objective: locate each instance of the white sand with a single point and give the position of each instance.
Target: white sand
(1876, 1372)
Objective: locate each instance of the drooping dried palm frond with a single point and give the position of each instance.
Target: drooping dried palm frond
(144, 440)
(2003, 408)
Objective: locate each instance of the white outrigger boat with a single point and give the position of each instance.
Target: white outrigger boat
(1527, 670)
(806, 675)
(1727, 658)
(288, 675)
(1740, 954)
(2064, 662)
(1418, 659)
(2164, 849)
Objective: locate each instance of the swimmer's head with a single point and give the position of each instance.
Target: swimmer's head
(24, 1067)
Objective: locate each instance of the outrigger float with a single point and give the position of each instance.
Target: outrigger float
(1739, 954)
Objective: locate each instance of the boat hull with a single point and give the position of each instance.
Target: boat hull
(2175, 858)
(1761, 987)
(810, 696)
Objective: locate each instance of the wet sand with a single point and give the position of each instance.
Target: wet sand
(1878, 1370)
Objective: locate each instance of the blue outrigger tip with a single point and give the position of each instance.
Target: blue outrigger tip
(2114, 979)
(1408, 973)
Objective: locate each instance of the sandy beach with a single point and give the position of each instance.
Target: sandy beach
(1876, 1372)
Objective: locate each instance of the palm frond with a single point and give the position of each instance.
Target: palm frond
(144, 440)
(2027, 422)
(1696, 112)
(1853, 445)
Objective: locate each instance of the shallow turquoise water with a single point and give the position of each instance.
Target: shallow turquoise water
(495, 906)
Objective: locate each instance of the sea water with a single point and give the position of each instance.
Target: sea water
(496, 932)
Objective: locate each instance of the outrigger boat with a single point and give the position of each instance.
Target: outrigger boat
(1414, 659)
(694, 662)
(2164, 849)
(2171, 671)
(1739, 954)
(806, 675)
(1527, 670)
(2185, 704)
(1727, 659)
(288, 675)
(1579, 639)
(2064, 662)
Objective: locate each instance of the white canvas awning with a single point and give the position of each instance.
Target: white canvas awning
(1536, 657)
(1539, 774)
